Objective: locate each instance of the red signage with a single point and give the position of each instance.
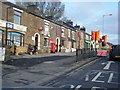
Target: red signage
(40, 28)
(102, 53)
(104, 38)
(93, 35)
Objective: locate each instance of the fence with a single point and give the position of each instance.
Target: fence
(82, 54)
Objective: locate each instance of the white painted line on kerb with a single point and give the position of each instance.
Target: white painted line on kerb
(95, 78)
(108, 65)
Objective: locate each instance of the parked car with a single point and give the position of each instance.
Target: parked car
(115, 53)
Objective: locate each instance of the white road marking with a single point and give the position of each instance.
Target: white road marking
(108, 65)
(95, 78)
(110, 78)
(72, 86)
(103, 63)
(94, 88)
(87, 78)
(78, 87)
(88, 74)
(105, 71)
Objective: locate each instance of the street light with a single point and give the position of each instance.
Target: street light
(103, 20)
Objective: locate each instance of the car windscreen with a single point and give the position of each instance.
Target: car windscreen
(115, 47)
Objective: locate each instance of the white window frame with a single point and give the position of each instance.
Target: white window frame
(63, 32)
(73, 35)
(17, 16)
(68, 32)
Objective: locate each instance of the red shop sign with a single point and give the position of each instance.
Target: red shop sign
(40, 28)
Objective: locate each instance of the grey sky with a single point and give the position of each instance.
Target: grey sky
(89, 14)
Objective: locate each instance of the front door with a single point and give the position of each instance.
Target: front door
(57, 45)
(36, 40)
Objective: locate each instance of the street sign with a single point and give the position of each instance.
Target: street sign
(9, 25)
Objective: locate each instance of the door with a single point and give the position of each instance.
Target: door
(57, 46)
(36, 40)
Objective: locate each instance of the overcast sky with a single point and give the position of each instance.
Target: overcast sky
(90, 15)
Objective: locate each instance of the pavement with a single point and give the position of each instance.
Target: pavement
(31, 70)
(41, 55)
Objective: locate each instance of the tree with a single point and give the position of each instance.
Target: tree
(52, 10)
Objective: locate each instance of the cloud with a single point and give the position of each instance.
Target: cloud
(90, 15)
(112, 38)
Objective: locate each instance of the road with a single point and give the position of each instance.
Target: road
(102, 75)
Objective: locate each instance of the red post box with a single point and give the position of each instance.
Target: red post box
(53, 47)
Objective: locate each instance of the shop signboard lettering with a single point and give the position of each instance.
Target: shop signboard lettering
(9, 25)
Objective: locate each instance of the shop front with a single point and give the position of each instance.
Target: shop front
(15, 35)
(87, 44)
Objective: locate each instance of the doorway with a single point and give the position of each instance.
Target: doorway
(36, 40)
(57, 44)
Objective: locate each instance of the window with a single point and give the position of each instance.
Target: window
(17, 16)
(62, 31)
(82, 35)
(68, 33)
(15, 38)
(57, 31)
(0, 38)
(87, 37)
(45, 42)
(73, 34)
(46, 27)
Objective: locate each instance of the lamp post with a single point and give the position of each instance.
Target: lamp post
(103, 20)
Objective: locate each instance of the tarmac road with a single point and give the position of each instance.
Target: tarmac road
(102, 75)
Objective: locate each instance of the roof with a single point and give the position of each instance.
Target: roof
(64, 24)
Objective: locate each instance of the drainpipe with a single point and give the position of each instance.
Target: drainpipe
(6, 25)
